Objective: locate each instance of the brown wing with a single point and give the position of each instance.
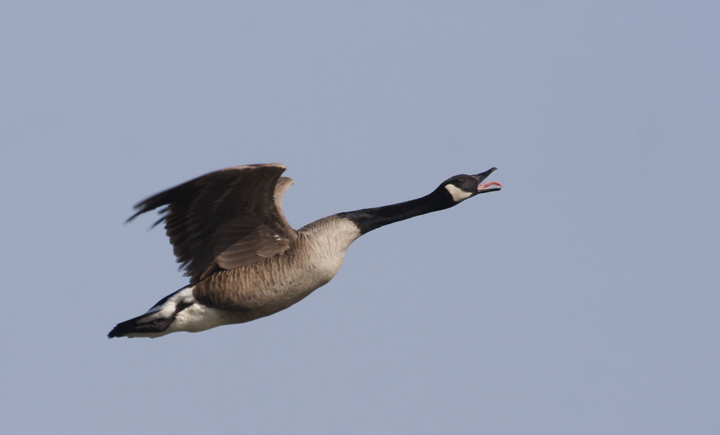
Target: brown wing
(225, 219)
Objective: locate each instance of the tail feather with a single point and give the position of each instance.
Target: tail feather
(157, 319)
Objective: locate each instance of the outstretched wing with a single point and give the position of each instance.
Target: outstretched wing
(225, 219)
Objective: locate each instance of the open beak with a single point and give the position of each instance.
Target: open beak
(490, 186)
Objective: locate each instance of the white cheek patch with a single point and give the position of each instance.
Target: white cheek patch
(457, 193)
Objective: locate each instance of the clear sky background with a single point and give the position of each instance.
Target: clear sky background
(582, 298)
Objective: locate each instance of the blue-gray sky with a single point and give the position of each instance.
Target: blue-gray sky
(582, 298)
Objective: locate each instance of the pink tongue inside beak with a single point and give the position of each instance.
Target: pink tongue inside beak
(484, 186)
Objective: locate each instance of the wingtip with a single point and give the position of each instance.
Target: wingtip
(131, 218)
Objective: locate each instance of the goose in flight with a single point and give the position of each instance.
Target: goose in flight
(244, 260)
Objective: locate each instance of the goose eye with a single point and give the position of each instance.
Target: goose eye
(460, 180)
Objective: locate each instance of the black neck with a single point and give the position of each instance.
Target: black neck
(371, 218)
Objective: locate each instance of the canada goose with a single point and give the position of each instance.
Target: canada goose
(244, 260)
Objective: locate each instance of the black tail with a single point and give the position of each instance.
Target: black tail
(146, 324)
(137, 326)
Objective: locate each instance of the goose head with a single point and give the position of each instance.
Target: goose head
(461, 187)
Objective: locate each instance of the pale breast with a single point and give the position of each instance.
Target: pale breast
(271, 285)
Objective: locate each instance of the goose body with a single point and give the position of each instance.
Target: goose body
(243, 258)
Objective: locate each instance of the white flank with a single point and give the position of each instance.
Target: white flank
(168, 308)
(195, 318)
